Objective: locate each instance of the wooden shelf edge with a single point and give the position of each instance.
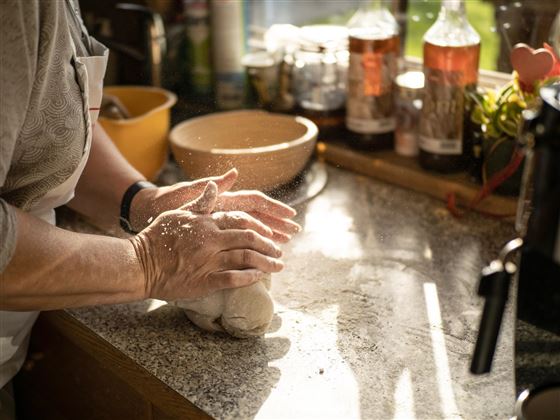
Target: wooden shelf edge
(412, 177)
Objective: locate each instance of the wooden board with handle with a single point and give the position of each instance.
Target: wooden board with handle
(406, 172)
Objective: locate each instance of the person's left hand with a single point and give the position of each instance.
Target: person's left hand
(149, 203)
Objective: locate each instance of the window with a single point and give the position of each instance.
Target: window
(500, 23)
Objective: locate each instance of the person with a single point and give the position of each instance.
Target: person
(193, 238)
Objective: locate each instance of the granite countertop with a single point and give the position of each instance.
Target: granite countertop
(376, 317)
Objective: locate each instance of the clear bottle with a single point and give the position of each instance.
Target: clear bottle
(374, 46)
(451, 56)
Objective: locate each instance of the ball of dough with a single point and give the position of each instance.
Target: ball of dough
(241, 312)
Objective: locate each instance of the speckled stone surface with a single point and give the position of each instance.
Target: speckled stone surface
(376, 318)
(537, 356)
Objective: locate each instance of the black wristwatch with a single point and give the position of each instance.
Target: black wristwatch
(127, 201)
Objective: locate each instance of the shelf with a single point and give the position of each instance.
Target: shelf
(406, 172)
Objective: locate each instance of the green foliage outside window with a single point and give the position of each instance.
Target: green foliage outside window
(423, 13)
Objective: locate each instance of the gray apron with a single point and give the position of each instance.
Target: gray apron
(16, 326)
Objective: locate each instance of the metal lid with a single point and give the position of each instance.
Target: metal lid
(538, 403)
(259, 59)
(323, 37)
(547, 123)
(411, 80)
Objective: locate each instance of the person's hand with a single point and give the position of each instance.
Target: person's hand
(273, 213)
(191, 252)
(149, 203)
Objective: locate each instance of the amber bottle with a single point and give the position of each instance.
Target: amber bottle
(374, 46)
(451, 56)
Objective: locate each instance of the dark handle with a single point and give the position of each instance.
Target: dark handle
(494, 286)
(487, 336)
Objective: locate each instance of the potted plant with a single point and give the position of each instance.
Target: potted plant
(498, 115)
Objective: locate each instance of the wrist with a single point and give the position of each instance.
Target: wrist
(142, 209)
(136, 206)
(140, 269)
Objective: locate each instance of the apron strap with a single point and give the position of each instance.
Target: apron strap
(75, 12)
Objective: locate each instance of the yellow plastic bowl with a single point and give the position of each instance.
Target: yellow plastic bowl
(142, 139)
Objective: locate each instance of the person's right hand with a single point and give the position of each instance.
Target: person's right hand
(189, 252)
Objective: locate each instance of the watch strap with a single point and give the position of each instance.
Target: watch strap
(127, 201)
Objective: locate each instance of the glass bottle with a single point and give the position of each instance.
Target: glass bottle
(374, 48)
(451, 56)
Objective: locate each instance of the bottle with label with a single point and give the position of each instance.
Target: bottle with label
(374, 48)
(451, 56)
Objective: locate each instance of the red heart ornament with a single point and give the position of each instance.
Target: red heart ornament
(530, 64)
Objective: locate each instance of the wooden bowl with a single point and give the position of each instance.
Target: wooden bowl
(267, 149)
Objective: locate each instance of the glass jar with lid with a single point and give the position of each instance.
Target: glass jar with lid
(409, 88)
(320, 66)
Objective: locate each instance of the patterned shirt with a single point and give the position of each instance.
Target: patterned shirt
(42, 124)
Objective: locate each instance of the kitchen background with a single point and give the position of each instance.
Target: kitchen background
(224, 55)
(500, 23)
(377, 311)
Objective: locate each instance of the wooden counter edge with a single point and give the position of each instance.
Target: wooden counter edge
(163, 399)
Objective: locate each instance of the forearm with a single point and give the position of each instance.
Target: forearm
(104, 181)
(53, 269)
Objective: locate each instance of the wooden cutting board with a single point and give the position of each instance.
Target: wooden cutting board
(406, 172)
